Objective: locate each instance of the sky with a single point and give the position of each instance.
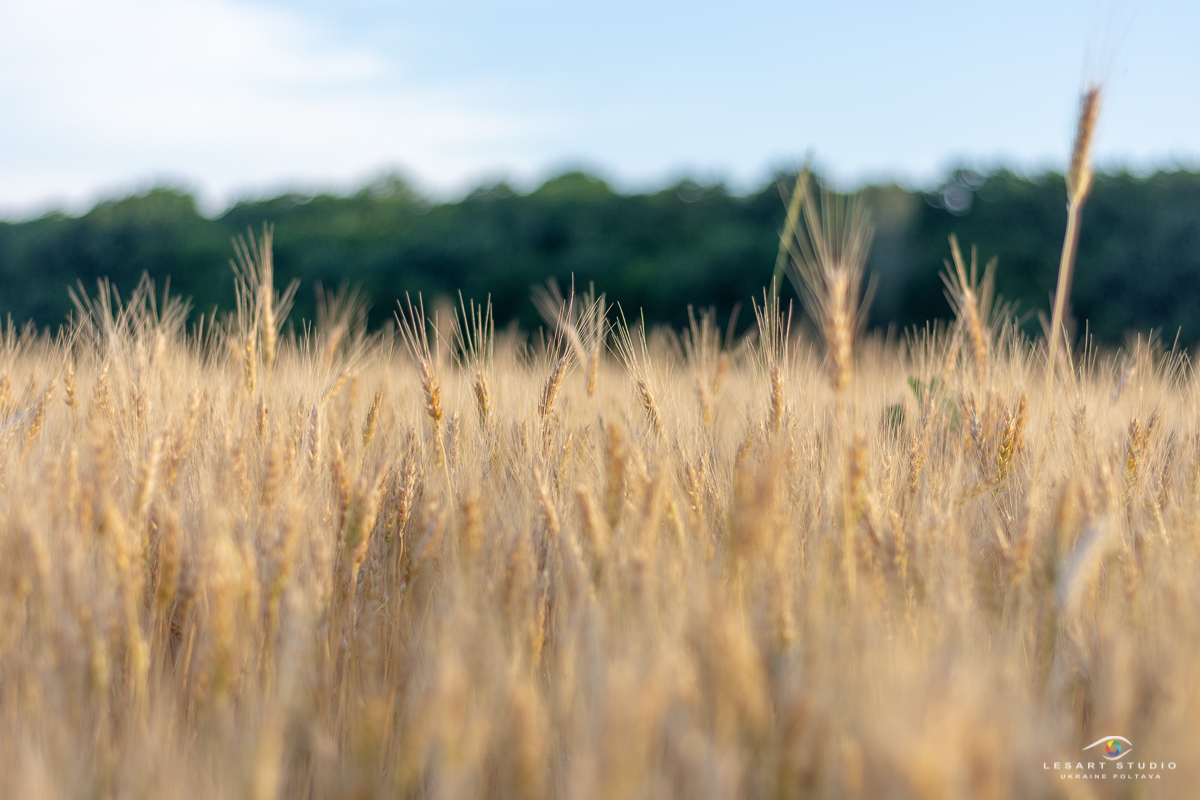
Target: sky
(235, 99)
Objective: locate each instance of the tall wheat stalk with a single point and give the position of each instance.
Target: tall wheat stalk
(791, 220)
(254, 271)
(829, 260)
(1079, 183)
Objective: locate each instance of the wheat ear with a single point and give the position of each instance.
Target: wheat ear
(1079, 183)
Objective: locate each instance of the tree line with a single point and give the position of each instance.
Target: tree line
(661, 251)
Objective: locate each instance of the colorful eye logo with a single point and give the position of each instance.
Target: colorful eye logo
(1114, 746)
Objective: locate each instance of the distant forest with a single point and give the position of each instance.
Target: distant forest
(689, 244)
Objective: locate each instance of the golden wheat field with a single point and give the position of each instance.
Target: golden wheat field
(437, 561)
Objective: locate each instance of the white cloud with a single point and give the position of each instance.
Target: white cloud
(93, 94)
(100, 96)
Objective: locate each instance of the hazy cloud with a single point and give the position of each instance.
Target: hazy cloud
(234, 95)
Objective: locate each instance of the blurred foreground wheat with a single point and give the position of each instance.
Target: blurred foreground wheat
(441, 563)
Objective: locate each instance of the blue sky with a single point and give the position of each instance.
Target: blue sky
(232, 98)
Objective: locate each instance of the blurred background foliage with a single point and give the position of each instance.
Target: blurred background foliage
(688, 244)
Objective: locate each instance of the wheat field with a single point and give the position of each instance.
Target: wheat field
(437, 561)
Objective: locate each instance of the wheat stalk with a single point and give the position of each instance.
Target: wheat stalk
(1079, 183)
